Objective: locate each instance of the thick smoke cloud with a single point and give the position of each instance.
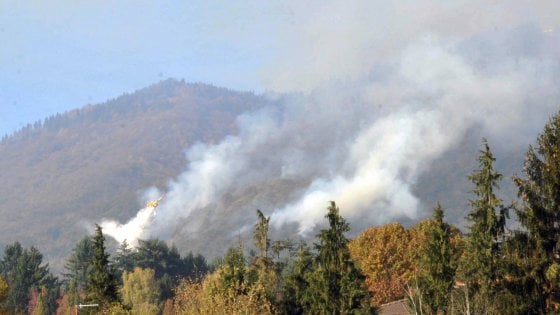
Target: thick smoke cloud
(367, 95)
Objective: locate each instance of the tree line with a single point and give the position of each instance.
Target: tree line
(492, 268)
(277, 277)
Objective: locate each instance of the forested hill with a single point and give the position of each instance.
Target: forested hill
(96, 161)
(73, 169)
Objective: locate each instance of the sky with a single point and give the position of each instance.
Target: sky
(383, 89)
(391, 86)
(63, 54)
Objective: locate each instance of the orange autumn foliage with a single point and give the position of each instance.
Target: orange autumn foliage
(387, 256)
(384, 255)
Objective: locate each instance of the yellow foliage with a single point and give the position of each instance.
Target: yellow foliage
(3, 289)
(115, 309)
(211, 297)
(140, 291)
(3, 294)
(385, 256)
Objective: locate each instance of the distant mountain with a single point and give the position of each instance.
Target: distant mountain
(95, 162)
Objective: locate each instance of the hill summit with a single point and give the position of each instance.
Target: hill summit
(61, 175)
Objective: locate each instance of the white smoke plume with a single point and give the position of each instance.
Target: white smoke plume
(133, 230)
(371, 93)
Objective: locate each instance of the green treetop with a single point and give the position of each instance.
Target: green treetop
(101, 285)
(438, 264)
(487, 218)
(336, 286)
(540, 211)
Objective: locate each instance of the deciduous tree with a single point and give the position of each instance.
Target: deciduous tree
(385, 256)
(140, 291)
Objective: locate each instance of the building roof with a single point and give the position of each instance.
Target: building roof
(399, 307)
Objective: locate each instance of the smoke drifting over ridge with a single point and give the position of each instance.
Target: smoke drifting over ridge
(367, 95)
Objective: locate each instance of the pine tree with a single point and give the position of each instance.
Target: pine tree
(481, 262)
(296, 283)
(234, 270)
(23, 270)
(262, 242)
(261, 262)
(101, 285)
(78, 266)
(166, 262)
(124, 259)
(261, 271)
(540, 212)
(336, 286)
(437, 264)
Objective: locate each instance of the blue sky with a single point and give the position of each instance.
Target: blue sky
(59, 55)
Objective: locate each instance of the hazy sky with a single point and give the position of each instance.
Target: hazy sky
(386, 88)
(62, 54)
(59, 55)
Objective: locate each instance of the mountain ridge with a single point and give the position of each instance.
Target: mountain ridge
(74, 169)
(95, 161)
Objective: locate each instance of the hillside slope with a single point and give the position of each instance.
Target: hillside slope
(62, 175)
(75, 168)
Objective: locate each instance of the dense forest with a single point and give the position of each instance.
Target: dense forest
(433, 266)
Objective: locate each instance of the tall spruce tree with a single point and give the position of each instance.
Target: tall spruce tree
(262, 242)
(124, 259)
(261, 270)
(296, 283)
(78, 265)
(101, 287)
(438, 264)
(23, 271)
(481, 263)
(540, 212)
(336, 286)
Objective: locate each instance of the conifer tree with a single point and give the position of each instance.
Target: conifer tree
(78, 265)
(166, 262)
(438, 264)
(261, 271)
(262, 242)
(124, 259)
(336, 286)
(487, 217)
(101, 285)
(296, 283)
(23, 271)
(234, 269)
(540, 212)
